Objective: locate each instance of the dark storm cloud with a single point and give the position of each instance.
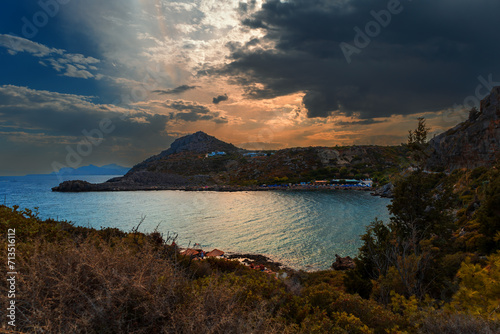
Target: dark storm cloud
(68, 115)
(367, 121)
(176, 90)
(58, 114)
(193, 117)
(187, 106)
(427, 58)
(220, 98)
(192, 112)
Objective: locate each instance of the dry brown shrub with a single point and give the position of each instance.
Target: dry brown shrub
(92, 287)
(457, 323)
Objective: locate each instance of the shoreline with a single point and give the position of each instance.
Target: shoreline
(84, 186)
(246, 259)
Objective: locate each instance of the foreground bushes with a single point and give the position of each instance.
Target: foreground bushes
(74, 280)
(80, 280)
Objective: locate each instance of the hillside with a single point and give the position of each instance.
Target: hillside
(473, 143)
(186, 164)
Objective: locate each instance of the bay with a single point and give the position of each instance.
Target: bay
(301, 229)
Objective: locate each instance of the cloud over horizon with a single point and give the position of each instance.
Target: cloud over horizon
(32, 118)
(409, 67)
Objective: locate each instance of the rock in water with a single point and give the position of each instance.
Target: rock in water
(74, 186)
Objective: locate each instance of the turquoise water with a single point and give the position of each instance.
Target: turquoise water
(303, 230)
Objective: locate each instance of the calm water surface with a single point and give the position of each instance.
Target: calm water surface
(303, 230)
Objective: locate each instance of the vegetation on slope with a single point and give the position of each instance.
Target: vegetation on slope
(285, 166)
(81, 280)
(440, 248)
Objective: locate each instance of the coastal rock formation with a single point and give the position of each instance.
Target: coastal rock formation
(343, 263)
(74, 186)
(473, 143)
(142, 180)
(257, 259)
(385, 191)
(179, 167)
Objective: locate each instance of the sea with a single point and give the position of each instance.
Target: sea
(301, 229)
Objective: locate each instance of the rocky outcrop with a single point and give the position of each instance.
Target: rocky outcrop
(74, 186)
(385, 191)
(343, 263)
(473, 143)
(328, 155)
(189, 148)
(141, 180)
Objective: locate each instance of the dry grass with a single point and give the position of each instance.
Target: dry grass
(95, 288)
(455, 323)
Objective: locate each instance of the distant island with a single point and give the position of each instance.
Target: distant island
(202, 162)
(111, 169)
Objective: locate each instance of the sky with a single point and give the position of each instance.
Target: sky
(116, 81)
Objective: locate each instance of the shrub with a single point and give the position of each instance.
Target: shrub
(77, 280)
(479, 288)
(454, 323)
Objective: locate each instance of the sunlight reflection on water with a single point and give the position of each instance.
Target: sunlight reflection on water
(303, 230)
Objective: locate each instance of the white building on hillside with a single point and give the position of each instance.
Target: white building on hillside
(215, 153)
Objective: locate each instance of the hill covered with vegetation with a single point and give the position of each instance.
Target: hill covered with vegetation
(189, 162)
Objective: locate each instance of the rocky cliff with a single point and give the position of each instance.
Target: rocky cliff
(473, 143)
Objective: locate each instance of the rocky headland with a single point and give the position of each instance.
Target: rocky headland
(189, 164)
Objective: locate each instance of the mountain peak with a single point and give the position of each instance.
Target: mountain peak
(198, 142)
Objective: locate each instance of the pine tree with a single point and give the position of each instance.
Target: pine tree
(417, 143)
(404, 255)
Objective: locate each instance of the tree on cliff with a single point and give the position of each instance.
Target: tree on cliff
(417, 143)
